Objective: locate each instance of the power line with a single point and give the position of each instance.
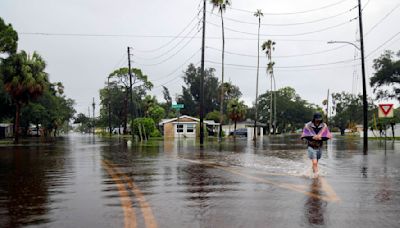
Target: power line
(282, 56)
(157, 36)
(179, 67)
(173, 79)
(119, 63)
(288, 67)
(171, 49)
(287, 24)
(365, 5)
(294, 34)
(295, 12)
(377, 48)
(382, 19)
(298, 70)
(172, 40)
(102, 35)
(169, 57)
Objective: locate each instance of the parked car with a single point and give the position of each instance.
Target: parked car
(239, 132)
(34, 132)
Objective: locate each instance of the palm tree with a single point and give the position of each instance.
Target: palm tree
(236, 111)
(268, 47)
(24, 80)
(221, 5)
(258, 14)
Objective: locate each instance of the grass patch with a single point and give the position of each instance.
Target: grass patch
(6, 141)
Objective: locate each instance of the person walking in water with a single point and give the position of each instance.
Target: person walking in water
(315, 132)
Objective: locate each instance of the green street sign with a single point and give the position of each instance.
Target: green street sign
(177, 106)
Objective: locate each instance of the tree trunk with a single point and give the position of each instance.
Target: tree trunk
(275, 121)
(16, 124)
(125, 121)
(222, 78)
(234, 130)
(270, 109)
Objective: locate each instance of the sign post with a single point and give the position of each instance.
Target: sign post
(178, 107)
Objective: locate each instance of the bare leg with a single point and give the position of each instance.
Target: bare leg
(315, 166)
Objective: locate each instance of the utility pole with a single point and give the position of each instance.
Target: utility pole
(202, 76)
(88, 109)
(365, 104)
(94, 124)
(327, 108)
(130, 90)
(109, 106)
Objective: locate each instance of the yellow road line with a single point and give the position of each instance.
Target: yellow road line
(129, 211)
(331, 195)
(329, 190)
(145, 207)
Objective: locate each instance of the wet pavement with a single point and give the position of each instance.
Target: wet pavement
(82, 181)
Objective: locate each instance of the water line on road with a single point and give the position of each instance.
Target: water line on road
(331, 196)
(145, 207)
(129, 211)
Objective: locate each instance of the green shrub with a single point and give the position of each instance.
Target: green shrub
(155, 133)
(147, 126)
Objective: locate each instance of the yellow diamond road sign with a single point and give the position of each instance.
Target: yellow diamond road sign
(385, 110)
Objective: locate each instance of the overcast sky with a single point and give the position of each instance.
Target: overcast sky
(166, 37)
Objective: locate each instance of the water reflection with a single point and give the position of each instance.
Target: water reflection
(314, 207)
(229, 184)
(29, 177)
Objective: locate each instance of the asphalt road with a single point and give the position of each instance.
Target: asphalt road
(82, 181)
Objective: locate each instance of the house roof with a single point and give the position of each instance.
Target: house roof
(249, 123)
(208, 122)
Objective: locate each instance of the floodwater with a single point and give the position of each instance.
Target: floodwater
(85, 181)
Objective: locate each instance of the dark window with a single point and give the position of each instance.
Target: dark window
(179, 128)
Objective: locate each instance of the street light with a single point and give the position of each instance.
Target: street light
(345, 42)
(364, 96)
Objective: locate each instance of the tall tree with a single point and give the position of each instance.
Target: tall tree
(8, 38)
(52, 110)
(8, 46)
(168, 103)
(386, 76)
(24, 80)
(236, 111)
(257, 14)
(140, 85)
(115, 95)
(293, 111)
(7, 109)
(349, 110)
(221, 5)
(231, 92)
(268, 47)
(191, 93)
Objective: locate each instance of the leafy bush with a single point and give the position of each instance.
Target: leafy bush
(146, 125)
(155, 133)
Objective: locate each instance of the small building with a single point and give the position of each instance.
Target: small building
(6, 130)
(186, 126)
(247, 124)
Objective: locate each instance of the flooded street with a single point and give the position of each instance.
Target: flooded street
(82, 181)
